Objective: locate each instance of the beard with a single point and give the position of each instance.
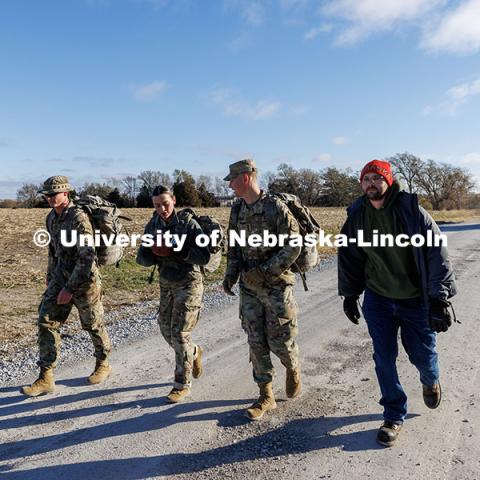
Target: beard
(375, 194)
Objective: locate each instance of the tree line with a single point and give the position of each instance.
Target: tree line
(438, 185)
(131, 191)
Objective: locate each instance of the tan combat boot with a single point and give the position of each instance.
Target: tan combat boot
(265, 402)
(293, 384)
(197, 363)
(178, 395)
(101, 373)
(44, 384)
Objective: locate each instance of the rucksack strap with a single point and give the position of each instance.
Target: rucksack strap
(152, 274)
(303, 276)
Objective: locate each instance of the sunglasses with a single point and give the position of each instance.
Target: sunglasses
(49, 195)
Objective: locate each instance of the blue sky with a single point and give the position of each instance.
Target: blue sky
(106, 88)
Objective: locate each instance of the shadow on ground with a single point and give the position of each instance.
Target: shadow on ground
(20, 403)
(295, 437)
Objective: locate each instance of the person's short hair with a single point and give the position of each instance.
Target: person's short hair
(160, 189)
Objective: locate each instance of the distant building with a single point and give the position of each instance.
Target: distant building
(225, 201)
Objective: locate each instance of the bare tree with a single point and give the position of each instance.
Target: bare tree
(266, 179)
(207, 181)
(445, 185)
(150, 179)
(407, 168)
(432, 180)
(340, 188)
(101, 190)
(130, 187)
(286, 180)
(310, 186)
(114, 182)
(459, 186)
(27, 194)
(221, 188)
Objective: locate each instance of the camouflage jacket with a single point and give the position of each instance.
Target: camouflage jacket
(271, 214)
(176, 268)
(73, 265)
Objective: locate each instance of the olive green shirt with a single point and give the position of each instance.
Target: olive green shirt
(390, 271)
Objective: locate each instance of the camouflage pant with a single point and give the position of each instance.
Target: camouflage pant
(269, 318)
(177, 316)
(88, 300)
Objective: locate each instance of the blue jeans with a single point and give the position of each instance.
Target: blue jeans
(384, 317)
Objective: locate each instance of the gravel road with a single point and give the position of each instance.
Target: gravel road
(124, 430)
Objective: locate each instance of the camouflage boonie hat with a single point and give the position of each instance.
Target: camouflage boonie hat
(55, 184)
(243, 166)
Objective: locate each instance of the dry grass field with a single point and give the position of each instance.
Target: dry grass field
(23, 265)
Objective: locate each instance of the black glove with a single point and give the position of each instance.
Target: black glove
(350, 307)
(228, 283)
(439, 317)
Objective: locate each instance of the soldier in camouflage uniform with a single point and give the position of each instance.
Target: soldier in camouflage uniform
(181, 287)
(72, 279)
(268, 310)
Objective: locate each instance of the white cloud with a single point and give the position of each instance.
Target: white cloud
(366, 17)
(340, 140)
(322, 158)
(252, 12)
(315, 32)
(234, 106)
(459, 95)
(148, 92)
(471, 159)
(457, 32)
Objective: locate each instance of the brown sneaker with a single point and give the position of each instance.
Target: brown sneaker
(197, 363)
(101, 373)
(178, 395)
(432, 395)
(265, 403)
(388, 433)
(43, 385)
(293, 384)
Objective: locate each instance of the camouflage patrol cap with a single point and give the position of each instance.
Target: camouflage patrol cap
(246, 165)
(55, 184)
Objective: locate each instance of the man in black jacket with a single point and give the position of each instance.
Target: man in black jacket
(406, 288)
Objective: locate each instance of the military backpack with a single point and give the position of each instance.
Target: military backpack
(308, 258)
(209, 225)
(107, 219)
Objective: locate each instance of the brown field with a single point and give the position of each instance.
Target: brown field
(23, 265)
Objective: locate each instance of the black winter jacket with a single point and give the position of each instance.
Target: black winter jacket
(433, 265)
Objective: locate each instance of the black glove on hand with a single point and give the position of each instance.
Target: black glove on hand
(439, 317)
(228, 283)
(350, 307)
